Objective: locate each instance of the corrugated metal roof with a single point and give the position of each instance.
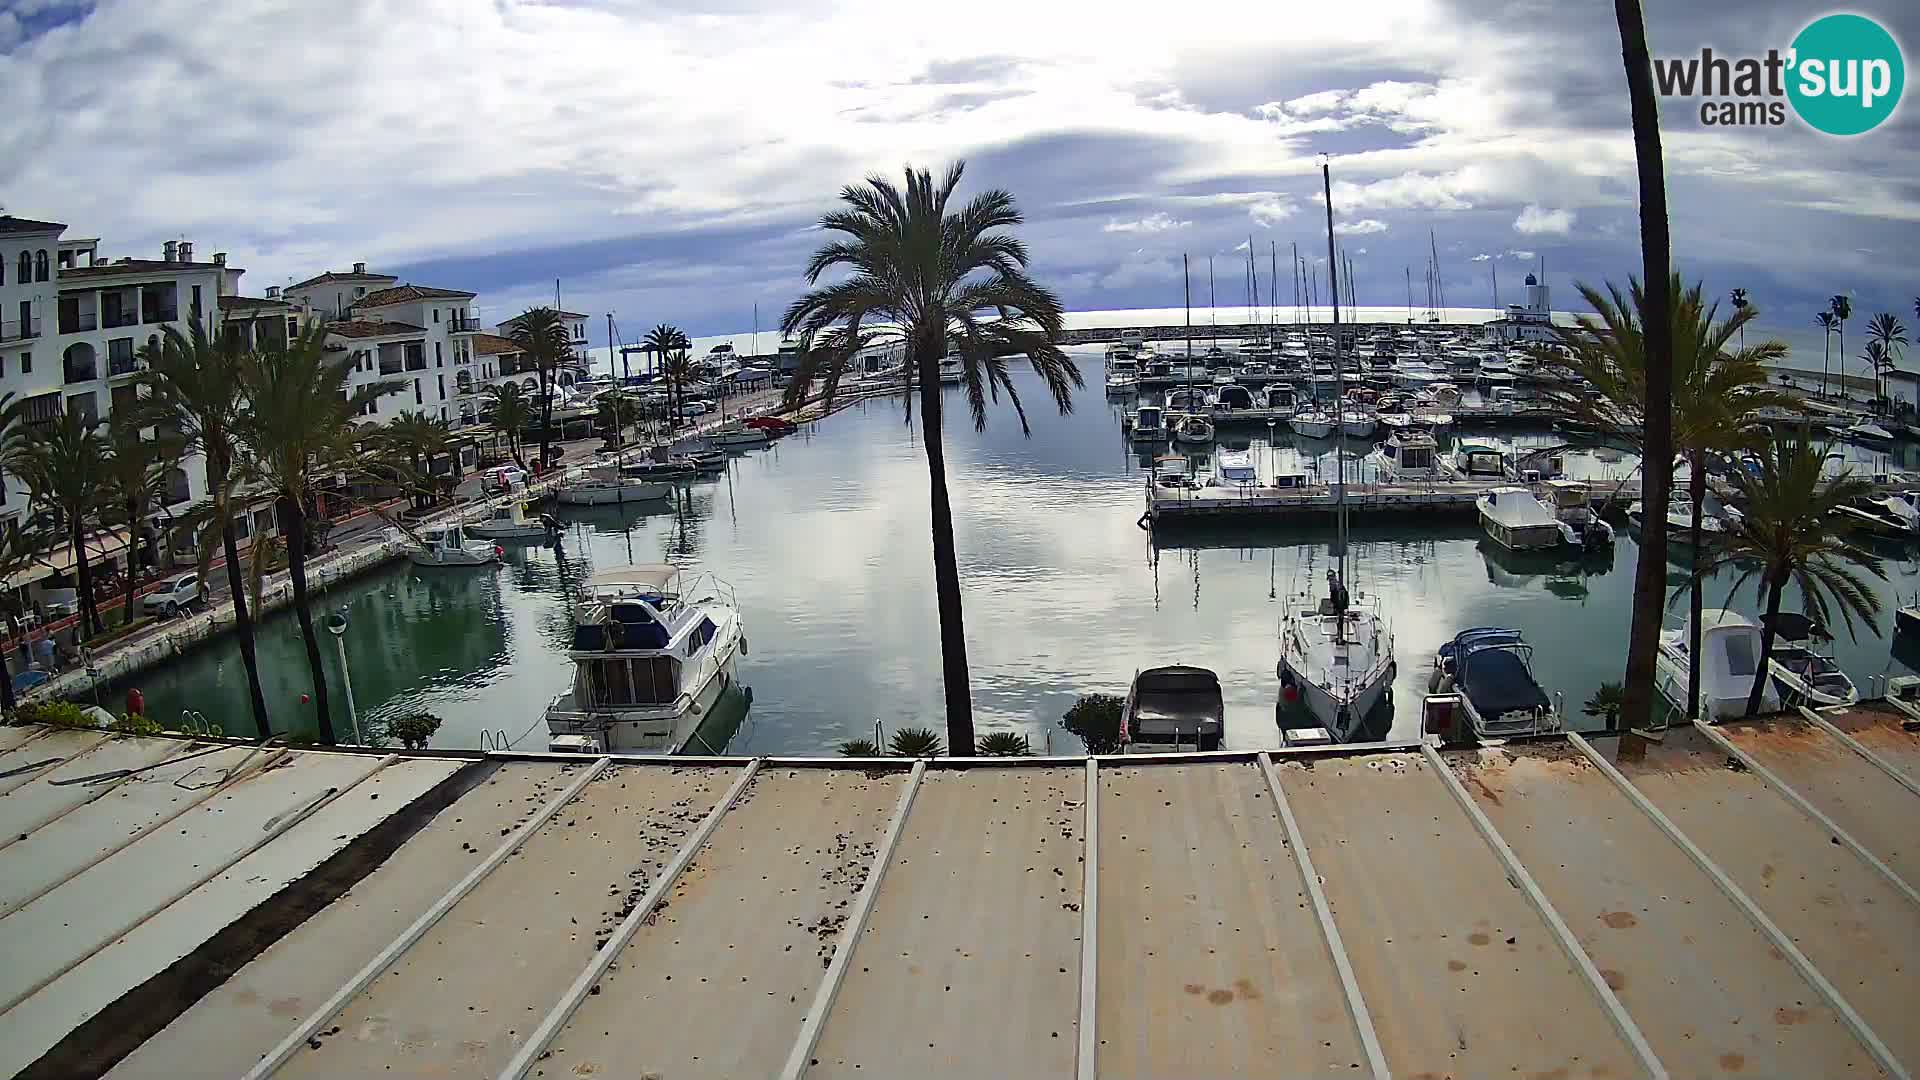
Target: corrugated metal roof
(1548, 908)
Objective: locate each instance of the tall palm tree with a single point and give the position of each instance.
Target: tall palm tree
(1887, 332)
(135, 481)
(418, 439)
(663, 341)
(191, 392)
(1842, 309)
(1656, 257)
(933, 281)
(511, 415)
(542, 338)
(1787, 534)
(617, 413)
(1827, 324)
(63, 463)
(1740, 304)
(677, 368)
(298, 429)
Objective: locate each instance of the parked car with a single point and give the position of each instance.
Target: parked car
(172, 595)
(695, 407)
(503, 479)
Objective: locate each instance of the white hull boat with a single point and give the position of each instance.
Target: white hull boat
(1491, 670)
(1313, 424)
(1730, 644)
(653, 656)
(1194, 431)
(1518, 521)
(1359, 425)
(604, 486)
(515, 521)
(1336, 661)
(1149, 424)
(449, 547)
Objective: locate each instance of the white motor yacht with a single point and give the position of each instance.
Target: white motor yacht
(1571, 502)
(1194, 430)
(653, 655)
(1173, 708)
(1230, 397)
(1358, 424)
(1409, 455)
(1314, 423)
(1149, 424)
(1479, 461)
(1868, 434)
(603, 485)
(1235, 468)
(1892, 516)
(1278, 395)
(1122, 376)
(1517, 521)
(514, 520)
(1802, 666)
(737, 434)
(1730, 649)
(1189, 399)
(450, 547)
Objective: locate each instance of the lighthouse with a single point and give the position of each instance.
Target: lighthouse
(1537, 298)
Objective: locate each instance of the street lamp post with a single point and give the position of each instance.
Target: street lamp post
(337, 624)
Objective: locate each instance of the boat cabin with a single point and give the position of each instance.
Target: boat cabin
(1412, 453)
(1234, 468)
(1232, 396)
(1280, 396)
(1188, 400)
(1173, 708)
(631, 634)
(1475, 460)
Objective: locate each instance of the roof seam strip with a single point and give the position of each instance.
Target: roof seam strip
(1799, 801)
(244, 768)
(1860, 748)
(1881, 1054)
(815, 1022)
(1517, 870)
(352, 988)
(604, 957)
(276, 828)
(1329, 930)
(1087, 1056)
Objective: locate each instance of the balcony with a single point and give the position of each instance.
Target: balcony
(390, 367)
(78, 322)
(463, 324)
(19, 330)
(81, 371)
(117, 319)
(159, 314)
(122, 365)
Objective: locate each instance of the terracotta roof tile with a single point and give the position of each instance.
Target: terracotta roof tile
(232, 302)
(366, 328)
(406, 293)
(493, 345)
(138, 266)
(515, 321)
(331, 276)
(11, 224)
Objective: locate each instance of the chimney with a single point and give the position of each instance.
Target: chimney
(360, 268)
(219, 258)
(273, 292)
(167, 251)
(186, 251)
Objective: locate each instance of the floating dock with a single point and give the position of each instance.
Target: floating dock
(1731, 900)
(1318, 501)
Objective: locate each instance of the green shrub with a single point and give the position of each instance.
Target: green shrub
(1095, 718)
(135, 724)
(1005, 744)
(915, 742)
(62, 714)
(859, 748)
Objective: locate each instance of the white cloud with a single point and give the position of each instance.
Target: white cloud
(1140, 268)
(1515, 253)
(1535, 220)
(1482, 257)
(1270, 211)
(1359, 228)
(1152, 223)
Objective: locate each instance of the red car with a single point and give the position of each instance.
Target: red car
(772, 425)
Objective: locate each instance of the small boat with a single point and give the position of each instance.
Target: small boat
(952, 369)
(1906, 618)
(1313, 423)
(1868, 434)
(1803, 673)
(1409, 455)
(603, 485)
(1235, 468)
(1475, 461)
(1891, 516)
(1194, 430)
(1189, 399)
(738, 434)
(1278, 396)
(449, 547)
(772, 425)
(1730, 647)
(1571, 503)
(1174, 472)
(1173, 708)
(1445, 393)
(1678, 519)
(653, 653)
(1232, 396)
(1359, 425)
(514, 521)
(1396, 421)
(1491, 669)
(1122, 376)
(703, 461)
(1518, 521)
(1149, 424)
(671, 469)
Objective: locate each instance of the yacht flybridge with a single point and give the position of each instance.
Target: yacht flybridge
(653, 652)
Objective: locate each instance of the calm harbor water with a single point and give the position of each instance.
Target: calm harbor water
(824, 538)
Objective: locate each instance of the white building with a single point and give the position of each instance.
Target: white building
(1528, 322)
(419, 335)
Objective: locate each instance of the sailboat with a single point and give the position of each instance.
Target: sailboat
(1336, 656)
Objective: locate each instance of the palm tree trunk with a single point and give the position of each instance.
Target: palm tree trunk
(1697, 491)
(133, 518)
(946, 567)
(1826, 358)
(243, 626)
(1775, 586)
(89, 613)
(7, 701)
(546, 412)
(293, 514)
(1650, 575)
(1843, 361)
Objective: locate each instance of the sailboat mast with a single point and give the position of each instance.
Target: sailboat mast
(1339, 397)
(1273, 287)
(1253, 283)
(1439, 283)
(1213, 314)
(1186, 283)
(1409, 295)
(1297, 306)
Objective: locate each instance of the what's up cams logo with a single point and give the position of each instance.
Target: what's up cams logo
(1842, 75)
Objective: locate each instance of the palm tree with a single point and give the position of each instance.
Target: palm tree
(63, 463)
(418, 438)
(300, 427)
(1827, 324)
(617, 413)
(511, 415)
(663, 341)
(135, 481)
(1740, 304)
(1890, 335)
(1656, 257)
(1842, 309)
(542, 338)
(21, 546)
(191, 392)
(1787, 533)
(677, 368)
(932, 280)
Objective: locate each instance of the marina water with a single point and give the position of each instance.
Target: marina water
(824, 538)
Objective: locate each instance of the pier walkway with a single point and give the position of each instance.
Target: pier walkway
(1316, 501)
(1736, 900)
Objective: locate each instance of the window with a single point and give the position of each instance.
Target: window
(293, 327)
(437, 362)
(193, 305)
(418, 399)
(359, 292)
(443, 391)
(3, 270)
(436, 314)
(26, 363)
(25, 273)
(40, 266)
(1741, 660)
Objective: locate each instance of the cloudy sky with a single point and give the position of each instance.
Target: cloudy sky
(666, 160)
